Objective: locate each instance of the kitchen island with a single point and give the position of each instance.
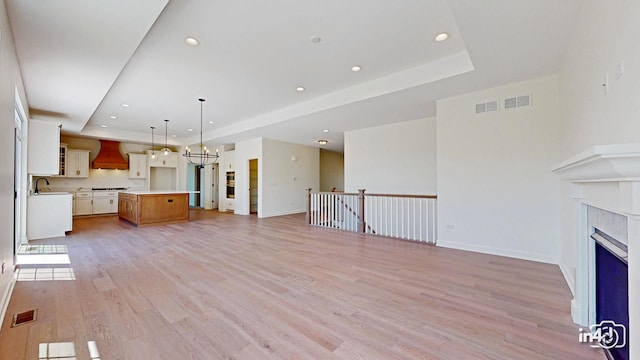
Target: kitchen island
(154, 207)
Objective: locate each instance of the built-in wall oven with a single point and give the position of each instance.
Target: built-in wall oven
(231, 184)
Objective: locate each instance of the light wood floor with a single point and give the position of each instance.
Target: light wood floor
(229, 286)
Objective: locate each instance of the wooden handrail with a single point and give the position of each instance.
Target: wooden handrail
(403, 196)
(380, 195)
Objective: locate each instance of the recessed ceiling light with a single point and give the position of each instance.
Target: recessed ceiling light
(300, 89)
(113, 117)
(315, 39)
(192, 41)
(325, 130)
(210, 122)
(103, 126)
(189, 129)
(322, 142)
(125, 105)
(356, 68)
(441, 37)
(174, 135)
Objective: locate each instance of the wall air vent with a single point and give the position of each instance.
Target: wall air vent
(492, 106)
(517, 101)
(488, 106)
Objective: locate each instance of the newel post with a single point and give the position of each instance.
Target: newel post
(307, 217)
(361, 210)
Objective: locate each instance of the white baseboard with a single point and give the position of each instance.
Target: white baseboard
(282, 213)
(577, 315)
(568, 277)
(500, 252)
(6, 297)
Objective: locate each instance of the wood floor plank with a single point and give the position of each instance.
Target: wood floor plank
(226, 286)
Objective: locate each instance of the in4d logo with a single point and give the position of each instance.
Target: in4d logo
(607, 335)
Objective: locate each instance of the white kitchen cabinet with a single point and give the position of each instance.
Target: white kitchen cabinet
(105, 202)
(83, 203)
(43, 148)
(62, 160)
(137, 166)
(161, 160)
(49, 215)
(77, 163)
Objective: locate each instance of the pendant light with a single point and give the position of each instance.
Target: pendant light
(153, 145)
(202, 158)
(165, 150)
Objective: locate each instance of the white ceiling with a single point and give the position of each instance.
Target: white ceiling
(81, 62)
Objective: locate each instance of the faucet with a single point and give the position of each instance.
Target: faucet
(38, 179)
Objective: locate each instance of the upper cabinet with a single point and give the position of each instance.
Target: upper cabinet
(43, 148)
(77, 163)
(62, 162)
(161, 160)
(137, 166)
(229, 160)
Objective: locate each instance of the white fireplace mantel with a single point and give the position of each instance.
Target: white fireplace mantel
(607, 177)
(619, 162)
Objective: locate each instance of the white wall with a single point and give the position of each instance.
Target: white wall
(496, 191)
(10, 78)
(606, 33)
(393, 159)
(285, 171)
(331, 170)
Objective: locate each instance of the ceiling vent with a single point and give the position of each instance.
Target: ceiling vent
(109, 157)
(517, 101)
(488, 106)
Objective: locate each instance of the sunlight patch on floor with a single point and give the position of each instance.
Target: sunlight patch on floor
(42, 249)
(65, 351)
(43, 259)
(45, 274)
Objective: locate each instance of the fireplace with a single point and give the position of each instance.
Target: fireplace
(605, 187)
(611, 291)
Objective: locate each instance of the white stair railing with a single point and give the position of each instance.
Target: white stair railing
(410, 217)
(334, 210)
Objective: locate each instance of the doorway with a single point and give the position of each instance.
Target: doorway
(17, 193)
(214, 186)
(253, 186)
(17, 183)
(194, 183)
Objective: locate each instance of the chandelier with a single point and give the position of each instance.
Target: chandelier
(203, 158)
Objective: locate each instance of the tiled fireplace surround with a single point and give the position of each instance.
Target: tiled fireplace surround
(606, 189)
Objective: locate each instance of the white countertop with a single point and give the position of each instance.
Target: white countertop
(50, 193)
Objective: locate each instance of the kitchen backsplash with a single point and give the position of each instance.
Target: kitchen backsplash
(97, 178)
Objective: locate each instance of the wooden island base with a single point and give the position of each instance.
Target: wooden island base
(153, 208)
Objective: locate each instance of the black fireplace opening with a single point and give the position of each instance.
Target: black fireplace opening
(612, 290)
